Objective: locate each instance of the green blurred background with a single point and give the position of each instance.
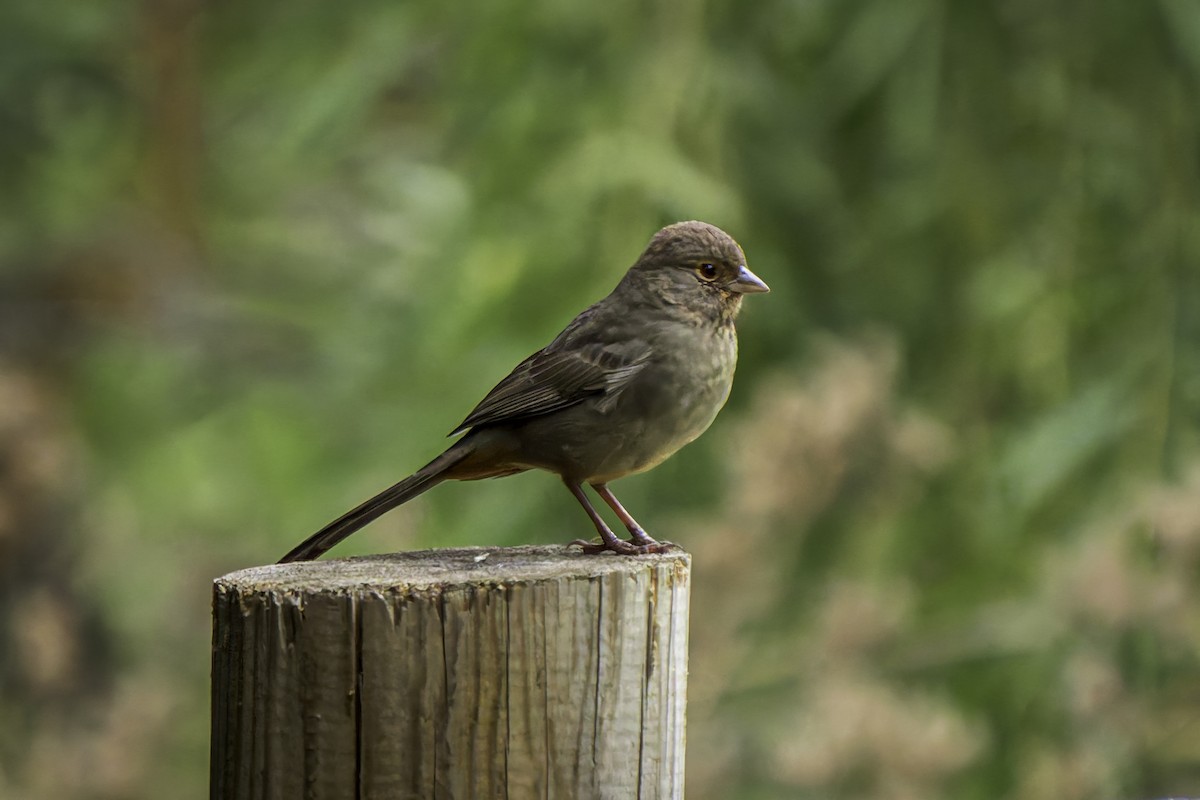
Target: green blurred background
(256, 258)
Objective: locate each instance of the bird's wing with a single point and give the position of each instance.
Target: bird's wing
(558, 377)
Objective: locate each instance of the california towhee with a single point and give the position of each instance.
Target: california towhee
(631, 380)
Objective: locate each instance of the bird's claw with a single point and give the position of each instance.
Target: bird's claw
(622, 547)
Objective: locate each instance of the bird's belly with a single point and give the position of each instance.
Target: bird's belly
(667, 405)
(676, 417)
(656, 416)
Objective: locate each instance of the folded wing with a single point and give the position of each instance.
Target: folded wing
(553, 379)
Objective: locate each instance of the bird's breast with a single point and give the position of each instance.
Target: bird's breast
(679, 394)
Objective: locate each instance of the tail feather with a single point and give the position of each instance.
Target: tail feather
(421, 481)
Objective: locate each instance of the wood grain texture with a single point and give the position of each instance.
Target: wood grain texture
(527, 672)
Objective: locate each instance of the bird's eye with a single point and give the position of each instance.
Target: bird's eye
(707, 271)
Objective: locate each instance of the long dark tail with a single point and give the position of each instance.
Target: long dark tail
(421, 481)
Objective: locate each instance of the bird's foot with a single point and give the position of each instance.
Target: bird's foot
(640, 537)
(622, 547)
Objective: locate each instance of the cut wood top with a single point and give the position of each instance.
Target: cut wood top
(432, 569)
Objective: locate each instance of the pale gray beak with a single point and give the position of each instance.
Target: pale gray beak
(747, 282)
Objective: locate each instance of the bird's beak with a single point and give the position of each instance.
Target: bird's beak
(747, 282)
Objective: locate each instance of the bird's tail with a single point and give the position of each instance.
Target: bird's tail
(420, 481)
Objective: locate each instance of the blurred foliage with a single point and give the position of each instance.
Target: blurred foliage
(256, 258)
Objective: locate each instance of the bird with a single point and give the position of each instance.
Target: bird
(631, 380)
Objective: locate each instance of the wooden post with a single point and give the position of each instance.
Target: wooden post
(524, 672)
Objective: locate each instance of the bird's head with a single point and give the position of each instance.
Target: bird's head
(698, 264)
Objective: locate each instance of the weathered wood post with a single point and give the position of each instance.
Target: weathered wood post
(525, 672)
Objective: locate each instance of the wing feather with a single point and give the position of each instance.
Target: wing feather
(552, 379)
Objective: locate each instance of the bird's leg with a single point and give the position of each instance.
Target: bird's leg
(611, 541)
(636, 533)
